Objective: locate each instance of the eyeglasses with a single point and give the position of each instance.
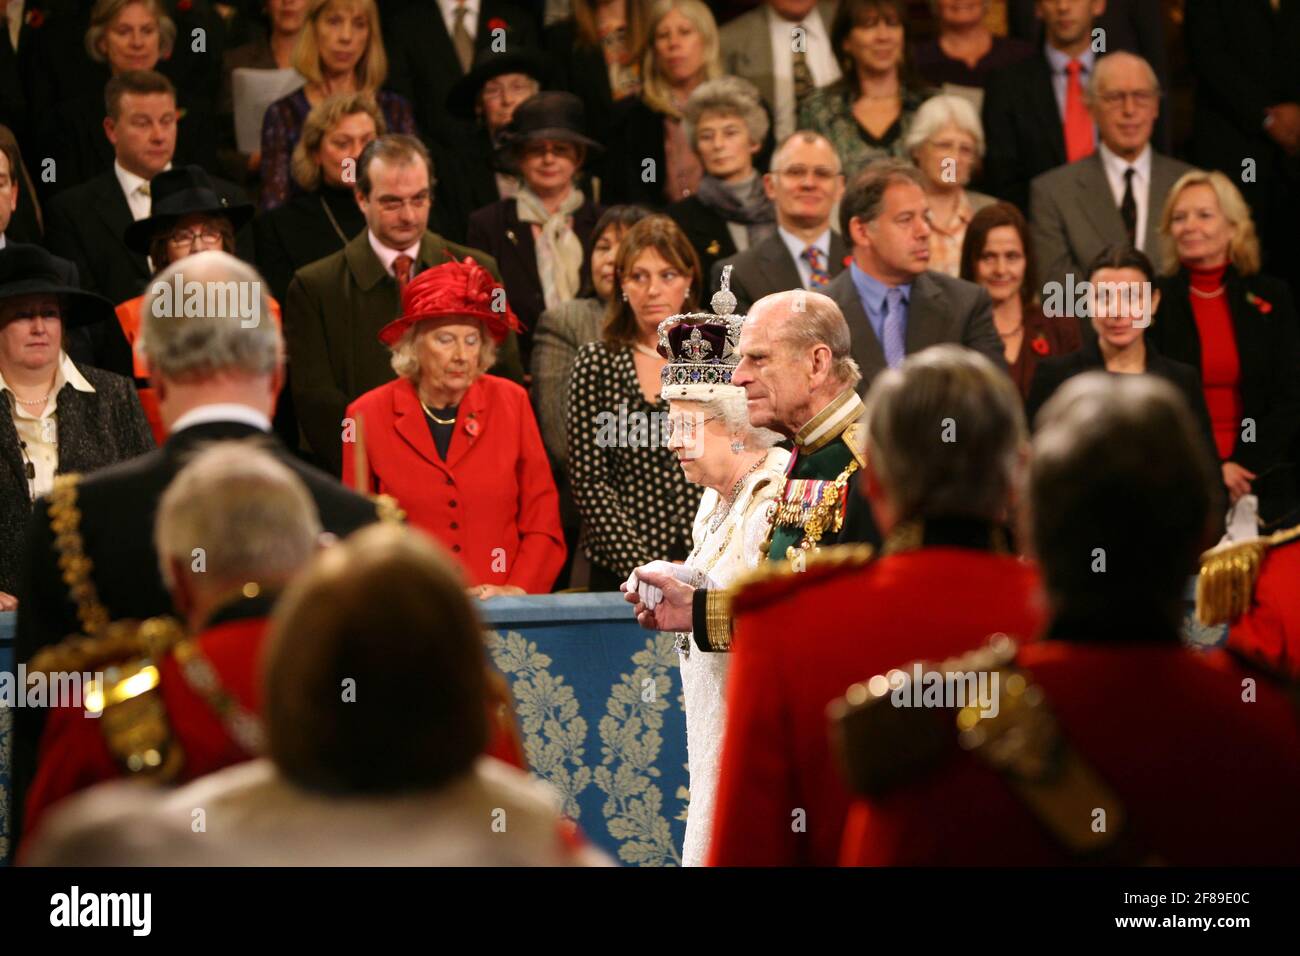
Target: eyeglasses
(950, 147)
(823, 174)
(686, 426)
(640, 278)
(562, 150)
(394, 203)
(1115, 99)
(184, 238)
(499, 91)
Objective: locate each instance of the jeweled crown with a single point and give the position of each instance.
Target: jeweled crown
(701, 347)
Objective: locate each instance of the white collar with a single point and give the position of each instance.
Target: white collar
(797, 245)
(2, 240)
(66, 373)
(222, 412)
(130, 181)
(1115, 166)
(386, 255)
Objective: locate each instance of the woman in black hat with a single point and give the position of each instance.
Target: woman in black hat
(471, 175)
(539, 237)
(61, 418)
(188, 215)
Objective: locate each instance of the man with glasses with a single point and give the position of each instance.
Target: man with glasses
(1114, 196)
(336, 306)
(805, 184)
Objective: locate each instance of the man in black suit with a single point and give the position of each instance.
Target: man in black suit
(86, 223)
(1137, 26)
(1035, 117)
(221, 386)
(805, 184)
(893, 304)
(431, 45)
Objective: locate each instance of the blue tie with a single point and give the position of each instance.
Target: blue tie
(895, 328)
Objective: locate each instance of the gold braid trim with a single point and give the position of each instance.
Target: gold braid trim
(119, 641)
(717, 617)
(1225, 587)
(77, 568)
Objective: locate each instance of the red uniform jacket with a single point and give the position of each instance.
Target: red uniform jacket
(74, 754)
(799, 648)
(129, 318)
(1205, 778)
(1270, 631)
(492, 503)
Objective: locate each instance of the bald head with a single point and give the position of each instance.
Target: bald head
(1124, 96)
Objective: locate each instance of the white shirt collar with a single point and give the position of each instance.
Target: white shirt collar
(386, 255)
(67, 373)
(1115, 166)
(222, 412)
(131, 183)
(2, 240)
(797, 245)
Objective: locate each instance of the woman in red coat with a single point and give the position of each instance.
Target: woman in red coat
(459, 449)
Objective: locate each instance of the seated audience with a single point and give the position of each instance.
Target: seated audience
(941, 506)
(946, 142)
(636, 505)
(893, 303)
(1036, 111)
(730, 211)
(1071, 219)
(1239, 329)
(595, 55)
(1116, 469)
(538, 237)
(385, 608)
(336, 307)
(340, 50)
(19, 221)
(650, 159)
(458, 449)
(256, 527)
(323, 217)
(759, 46)
(866, 114)
(1119, 317)
(187, 216)
(63, 419)
(998, 255)
(964, 53)
(805, 185)
(1138, 26)
(474, 172)
(269, 50)
(216, 379)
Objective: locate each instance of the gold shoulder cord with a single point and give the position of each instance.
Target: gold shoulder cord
(77, 568)
(1225, 586)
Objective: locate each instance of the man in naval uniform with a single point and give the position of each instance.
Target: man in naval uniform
(799, 380)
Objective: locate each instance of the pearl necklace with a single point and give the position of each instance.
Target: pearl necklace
(34, 401)
(1206, 295)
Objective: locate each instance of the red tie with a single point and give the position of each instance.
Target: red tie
(1078, 124)
(402, 270)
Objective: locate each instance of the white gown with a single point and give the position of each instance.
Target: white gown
(724, 555)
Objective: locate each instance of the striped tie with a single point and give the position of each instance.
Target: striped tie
(820, 278)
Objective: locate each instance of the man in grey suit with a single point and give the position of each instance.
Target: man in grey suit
(784, 48)
(894, 305)
(1114, 196)
(805, 184)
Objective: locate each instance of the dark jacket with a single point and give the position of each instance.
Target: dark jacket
(94, 429)
(1053, 371)
(301, 232)
(1268, 348)
(707, 231)
(1022, 126)
(333, 313)
(467, 182)
(581, 70)
(768, 267)
(941, 309)
(497, 230)
(117, 507)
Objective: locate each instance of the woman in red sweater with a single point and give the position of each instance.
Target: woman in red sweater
(458, 449)
(1239, 330)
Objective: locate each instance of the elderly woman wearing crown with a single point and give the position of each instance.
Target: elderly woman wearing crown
(741, 473)
(457, 448)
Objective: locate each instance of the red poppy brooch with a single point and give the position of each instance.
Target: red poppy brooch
(35, 19)
(496, 23)
(471, 427)
(1039, 344)
(1264, 306)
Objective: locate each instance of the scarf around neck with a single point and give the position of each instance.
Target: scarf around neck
(559, 250)
(747, 205)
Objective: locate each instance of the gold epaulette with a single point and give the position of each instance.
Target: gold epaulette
(119, 641)
(1225, 586)
(388, 509)
(855, 436)
(775, 579)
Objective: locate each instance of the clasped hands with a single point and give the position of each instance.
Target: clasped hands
(661, 593)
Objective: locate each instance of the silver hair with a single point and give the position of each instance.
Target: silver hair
(814, 319)
(945, 433)
(940, 111)
(730, 406)
(801, 136)
(406, 359)
(1102, 67)
(241, 512)
(218, 334)
(727, 96)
